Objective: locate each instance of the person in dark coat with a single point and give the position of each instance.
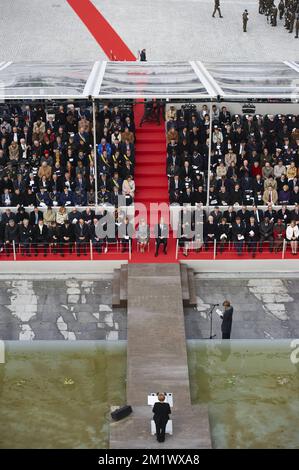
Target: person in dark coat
(161, 412)
(245, 20)
(40, 237)
(26, 237)
(238, 235)
(227, 318)
(252, 235)
(82, 236)
(161, 234)
(143, 55)
(217, 8)
(66, 234)
(11, 236)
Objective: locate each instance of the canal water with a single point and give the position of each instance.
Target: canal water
(251, 389)
(58, 394)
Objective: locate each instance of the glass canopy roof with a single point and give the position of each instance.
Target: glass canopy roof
(254, 79)
(151, 79)
(173, 80)
(31, 79)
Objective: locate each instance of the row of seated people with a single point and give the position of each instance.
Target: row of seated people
(60, 231)
(241, 234)
(60, 215)
(47, 156)
(225, 192)
(254, 153)
(56, 193)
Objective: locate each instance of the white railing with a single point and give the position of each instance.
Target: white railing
(215, 250)
(18, 251)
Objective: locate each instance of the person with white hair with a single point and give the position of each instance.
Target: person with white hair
(161, 412)
(292, 235)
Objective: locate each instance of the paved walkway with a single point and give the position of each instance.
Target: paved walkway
(157, 361)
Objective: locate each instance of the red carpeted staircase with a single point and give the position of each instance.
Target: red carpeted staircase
(151, 180)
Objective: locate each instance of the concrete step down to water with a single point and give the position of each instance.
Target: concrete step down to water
(123, 285)
(116, 288)
(192, 289)
(185, 283)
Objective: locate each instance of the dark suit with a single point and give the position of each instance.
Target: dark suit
(161, 412)
(40, 238)
(238, 230)
(217, 8)
(66, 236)
(26, 235)
(161, 232)
(34, 217)
(82, 237)
(226, 325)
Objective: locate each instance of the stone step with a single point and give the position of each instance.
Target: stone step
(185, 284)
(123, 285)
(116, 288)
(192, 290)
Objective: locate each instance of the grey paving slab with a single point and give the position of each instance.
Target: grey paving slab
(67, 309)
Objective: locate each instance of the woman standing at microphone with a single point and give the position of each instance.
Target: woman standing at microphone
(227, 318)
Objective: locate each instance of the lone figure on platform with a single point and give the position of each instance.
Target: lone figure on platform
(227, 318)
(245, 21)
(161, 412)
(217, 8)
(142, 55)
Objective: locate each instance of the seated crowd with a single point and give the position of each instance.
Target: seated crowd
(242, 228)
(254, 158)
(47, 155)
(59, 231)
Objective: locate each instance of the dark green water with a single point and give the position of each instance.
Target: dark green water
(58, 394)
(252, 390)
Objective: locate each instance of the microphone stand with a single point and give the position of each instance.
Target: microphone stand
(211, 321)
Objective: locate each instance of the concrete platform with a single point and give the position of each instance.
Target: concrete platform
(157, 361)
(169, 29)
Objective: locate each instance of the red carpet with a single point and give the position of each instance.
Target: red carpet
(151, 182)
(102, 31)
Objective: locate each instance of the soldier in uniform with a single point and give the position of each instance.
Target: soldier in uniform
(297, 25)
(261, 7)
(217, 8)
(281, 9)
(287, 18)
(292, 21)
(274, 13)
(245, 21)
(268, 9)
